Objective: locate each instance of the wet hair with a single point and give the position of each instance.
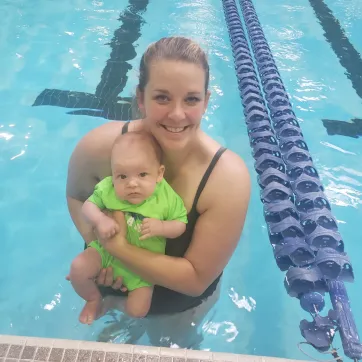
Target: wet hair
(139, 138)
(173, 48)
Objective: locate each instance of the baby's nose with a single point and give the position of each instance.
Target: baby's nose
(132, 183)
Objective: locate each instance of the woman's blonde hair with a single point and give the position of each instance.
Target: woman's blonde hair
(173, 48)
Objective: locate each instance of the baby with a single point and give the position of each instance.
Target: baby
(153, 212)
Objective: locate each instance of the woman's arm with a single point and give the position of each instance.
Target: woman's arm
(225, 201)
(81, 182)
(75, 211)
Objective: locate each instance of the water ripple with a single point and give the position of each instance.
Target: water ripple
(288, 33)
(242, 303)
(343, 195)
(229, 329)
(343, 187)
(327, 144)
(53, 303)
(292, 8)
(6, 136)
(288, 51)
(309, 85)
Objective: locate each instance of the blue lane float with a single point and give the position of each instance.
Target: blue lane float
(302, 230)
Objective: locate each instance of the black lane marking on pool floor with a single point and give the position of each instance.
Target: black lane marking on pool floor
(106, 102)
(348, 57)
(335, 127)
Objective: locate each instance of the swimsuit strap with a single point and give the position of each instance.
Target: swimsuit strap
(125, 127)
(207, 174)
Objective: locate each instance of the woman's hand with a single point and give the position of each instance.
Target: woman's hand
(105, 279)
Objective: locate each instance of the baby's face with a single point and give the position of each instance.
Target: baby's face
(135, 175)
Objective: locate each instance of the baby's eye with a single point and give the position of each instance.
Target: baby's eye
(122, 176)
(143, 174)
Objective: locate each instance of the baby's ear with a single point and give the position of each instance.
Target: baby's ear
(161, 172)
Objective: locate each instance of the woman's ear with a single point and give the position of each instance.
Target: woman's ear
(207, 97)
(135, 110)
(140, 102)
(161, 172)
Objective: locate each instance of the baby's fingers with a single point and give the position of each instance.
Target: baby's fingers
(145, 228)
(145, 236)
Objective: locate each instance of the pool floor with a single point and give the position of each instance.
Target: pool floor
(25, 349)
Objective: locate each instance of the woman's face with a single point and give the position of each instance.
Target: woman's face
(174, 102)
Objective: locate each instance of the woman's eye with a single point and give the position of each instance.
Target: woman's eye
(161, 98)
(192, 100)
(143, 174)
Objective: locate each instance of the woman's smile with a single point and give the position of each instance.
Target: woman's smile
(174, 129)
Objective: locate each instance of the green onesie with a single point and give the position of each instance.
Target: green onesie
(163, 204)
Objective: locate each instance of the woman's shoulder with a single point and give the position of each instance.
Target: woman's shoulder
(90, 160)
(100, 138)
(228, 179)
(230, 166)
(230, 170)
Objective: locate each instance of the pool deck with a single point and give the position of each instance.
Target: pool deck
(25, 349)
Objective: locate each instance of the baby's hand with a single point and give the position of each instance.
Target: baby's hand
(106, 227)
(151, 227)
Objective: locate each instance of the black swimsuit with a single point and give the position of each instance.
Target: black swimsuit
(166, 300)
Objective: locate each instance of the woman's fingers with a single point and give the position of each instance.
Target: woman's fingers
(101, 277)
(105, 277)
(118, 284)
(109, 277)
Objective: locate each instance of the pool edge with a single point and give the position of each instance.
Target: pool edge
(21, 348)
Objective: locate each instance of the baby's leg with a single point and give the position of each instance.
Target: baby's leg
(85, 267)
(139, 301)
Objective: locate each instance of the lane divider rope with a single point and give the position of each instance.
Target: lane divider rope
(302, 230)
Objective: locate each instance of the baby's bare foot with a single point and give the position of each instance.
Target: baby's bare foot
(90, 311)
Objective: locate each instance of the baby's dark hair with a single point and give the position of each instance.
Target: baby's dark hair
(140, 138)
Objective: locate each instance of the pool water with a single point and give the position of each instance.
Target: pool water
(64, 46)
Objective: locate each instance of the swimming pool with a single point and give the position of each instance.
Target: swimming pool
(66, 48)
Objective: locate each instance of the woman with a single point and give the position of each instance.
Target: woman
(213, 182)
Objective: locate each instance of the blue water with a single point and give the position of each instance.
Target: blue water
(64, 45)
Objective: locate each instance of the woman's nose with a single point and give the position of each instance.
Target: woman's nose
(177, 113)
